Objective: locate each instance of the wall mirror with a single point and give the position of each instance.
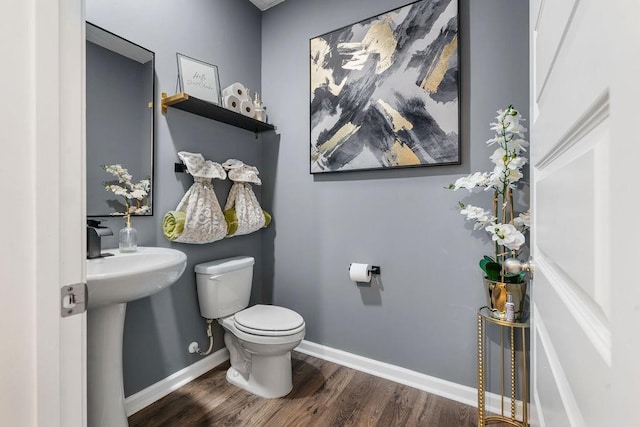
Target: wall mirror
(119, 116)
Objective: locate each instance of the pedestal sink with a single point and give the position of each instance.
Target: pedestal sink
(112, 282)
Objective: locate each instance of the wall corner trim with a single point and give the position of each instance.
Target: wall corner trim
(447, 389)
(157, 391)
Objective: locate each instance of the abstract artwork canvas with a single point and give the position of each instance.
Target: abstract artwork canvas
(384, 91)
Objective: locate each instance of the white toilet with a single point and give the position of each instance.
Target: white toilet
(259, 338)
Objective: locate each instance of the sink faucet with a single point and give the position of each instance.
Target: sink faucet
(94, 234)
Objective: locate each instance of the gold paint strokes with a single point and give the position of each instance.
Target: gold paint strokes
(397, 121)
(433, 78)
(321, 76)
(401, 155)
(339, 137)
(380, 39)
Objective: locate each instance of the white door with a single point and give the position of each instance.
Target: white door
(59, 206)
(584, 154)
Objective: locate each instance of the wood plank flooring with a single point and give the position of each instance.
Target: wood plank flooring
(324, 394)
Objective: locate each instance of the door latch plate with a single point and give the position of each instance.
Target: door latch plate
(73, 299)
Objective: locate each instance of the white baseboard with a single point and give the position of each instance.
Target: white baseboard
(157, 391)
(450, 390)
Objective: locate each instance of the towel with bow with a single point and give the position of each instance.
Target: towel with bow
(198, 213)
(242, 210)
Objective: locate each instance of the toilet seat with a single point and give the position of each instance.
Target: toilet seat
(268, 320)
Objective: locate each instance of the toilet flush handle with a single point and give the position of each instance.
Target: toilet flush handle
(215, 277)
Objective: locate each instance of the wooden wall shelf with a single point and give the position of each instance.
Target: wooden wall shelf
(183, 101)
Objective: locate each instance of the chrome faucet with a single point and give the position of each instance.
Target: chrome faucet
(94, 238)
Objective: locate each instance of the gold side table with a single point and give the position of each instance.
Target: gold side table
(484, 317)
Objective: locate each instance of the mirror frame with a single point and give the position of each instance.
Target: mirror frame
(152, 135)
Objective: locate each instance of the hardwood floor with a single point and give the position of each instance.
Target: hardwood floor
(324, 394)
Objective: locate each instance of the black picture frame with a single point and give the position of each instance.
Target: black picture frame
(384, 91)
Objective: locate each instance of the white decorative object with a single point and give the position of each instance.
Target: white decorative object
(504, 227)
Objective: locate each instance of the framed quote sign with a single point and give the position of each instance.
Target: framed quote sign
(198, 79)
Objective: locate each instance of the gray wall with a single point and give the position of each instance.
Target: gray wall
(226, 33)
(422, 313)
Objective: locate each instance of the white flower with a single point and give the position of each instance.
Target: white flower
(516, 163)
(129, 191)
(499, 156)
(482, 217)
(502, 176)
(506, 235)
(141, 210)
(516, 145)
(469, 182)
(121, 173)
(508, 121)
(117, 190)
(144, 184)
(138, 194)
(523, 221)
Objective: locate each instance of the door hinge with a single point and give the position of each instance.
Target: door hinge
(73, 299)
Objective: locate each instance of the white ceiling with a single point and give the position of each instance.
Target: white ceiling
(265, 4)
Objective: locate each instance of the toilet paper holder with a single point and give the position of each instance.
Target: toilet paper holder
(374, 269)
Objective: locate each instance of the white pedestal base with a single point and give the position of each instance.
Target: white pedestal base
(105, 389)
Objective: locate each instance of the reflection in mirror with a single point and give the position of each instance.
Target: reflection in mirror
(119, 97)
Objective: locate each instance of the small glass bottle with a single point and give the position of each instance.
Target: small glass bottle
(128, 238)
(257, 107)
(510, 308)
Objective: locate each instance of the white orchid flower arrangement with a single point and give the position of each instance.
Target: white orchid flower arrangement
(507, 231)
(135, 195)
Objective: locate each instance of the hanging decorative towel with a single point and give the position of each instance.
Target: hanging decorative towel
(198, 217)
(242, 211)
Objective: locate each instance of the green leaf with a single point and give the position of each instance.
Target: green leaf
(483, 262)
(491, 268)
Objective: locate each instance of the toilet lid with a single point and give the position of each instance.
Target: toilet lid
(268, 320)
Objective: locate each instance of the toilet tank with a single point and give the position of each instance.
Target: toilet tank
(224, 286)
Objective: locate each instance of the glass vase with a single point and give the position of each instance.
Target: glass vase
(128, 238)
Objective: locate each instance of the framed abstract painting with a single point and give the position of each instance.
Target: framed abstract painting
(385, 90)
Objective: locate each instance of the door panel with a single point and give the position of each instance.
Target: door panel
(547, 382)
(579, 75)
(552, 20)
(574, 194)
(571, 136)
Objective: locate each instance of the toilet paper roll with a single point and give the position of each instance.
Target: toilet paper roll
(231, 102)
(246, 109)
(238, 90)
(360, 272)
